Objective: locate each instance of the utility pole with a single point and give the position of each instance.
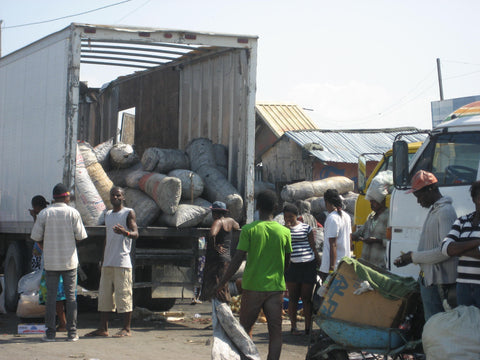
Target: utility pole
(440, 84)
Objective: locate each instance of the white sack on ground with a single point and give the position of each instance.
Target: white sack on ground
(133, 178)
(453, 334)
(88, 201)
(164, 160)
(307, 189)
(192, 183)
(221, 155)
(165, 190)
(146, 209)
(119, 176)
(87, 152)
(102, 152)
(185, 216)
(230, 341)
(318, 205)
(380, 187)
(102, 182)
(201, 153)
(28, 306)
(218, 188)
(122, 156)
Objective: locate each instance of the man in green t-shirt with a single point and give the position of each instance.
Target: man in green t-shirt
(267, 246)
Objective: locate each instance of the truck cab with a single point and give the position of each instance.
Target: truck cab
(452, 154)
(362, 205)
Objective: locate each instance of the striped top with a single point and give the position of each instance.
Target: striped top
(302, 252)
(463, 230)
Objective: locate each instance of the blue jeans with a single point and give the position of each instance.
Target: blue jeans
(69, 285)
(432, 303)
(468, 294)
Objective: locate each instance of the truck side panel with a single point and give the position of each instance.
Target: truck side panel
(33, 95)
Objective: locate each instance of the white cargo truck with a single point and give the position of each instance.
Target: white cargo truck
(452, 154)
(182, 85)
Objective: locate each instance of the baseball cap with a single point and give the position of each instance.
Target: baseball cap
(60, 191)
(219, 206)
(421, 179)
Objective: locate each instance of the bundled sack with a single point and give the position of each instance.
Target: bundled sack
(102, 152)
(260, 186)
(165, 190)
(119, 176)
(87, 152)
(349, 200)
(88, 201)
(185, 216)
(220, 153)
(146, 209)
(218, 188)
(133, 178)
(307, 189)
(164, 160)
(380, 187)
(207, 220)
(192, 183)
(201, 153)
(453, 334)
(102, 182)
(123, 156)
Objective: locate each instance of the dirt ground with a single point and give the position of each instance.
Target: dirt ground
(186, 334)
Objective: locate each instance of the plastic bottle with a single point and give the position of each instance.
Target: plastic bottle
(407, 323)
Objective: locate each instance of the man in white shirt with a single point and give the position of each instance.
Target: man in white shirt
(115, 290)
(58, 227)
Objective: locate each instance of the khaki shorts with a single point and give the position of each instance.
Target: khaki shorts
(115, 290)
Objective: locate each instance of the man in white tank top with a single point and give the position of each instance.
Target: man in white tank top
(115, 290)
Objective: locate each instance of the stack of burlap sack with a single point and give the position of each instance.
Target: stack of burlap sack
(165, 187)
(312, 192)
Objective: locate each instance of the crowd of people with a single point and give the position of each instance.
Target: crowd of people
(279, 258)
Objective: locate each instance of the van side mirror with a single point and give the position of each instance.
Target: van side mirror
(400, 164)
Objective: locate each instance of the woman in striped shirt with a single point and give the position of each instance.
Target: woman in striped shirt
(301, 275)
(463, 240)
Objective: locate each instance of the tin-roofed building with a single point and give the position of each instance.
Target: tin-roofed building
(318, 154)
(272, 120)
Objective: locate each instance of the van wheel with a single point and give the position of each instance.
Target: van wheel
(143, 298)
(13, 273)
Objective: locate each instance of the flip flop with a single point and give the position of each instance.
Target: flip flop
(122, 333)
(97, 333)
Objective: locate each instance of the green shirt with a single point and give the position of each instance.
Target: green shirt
(266, 243)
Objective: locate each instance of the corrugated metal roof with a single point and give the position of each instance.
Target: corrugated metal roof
(347, 145)
(284, 117)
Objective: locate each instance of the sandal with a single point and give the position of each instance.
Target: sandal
(97, 333)
(122, 333)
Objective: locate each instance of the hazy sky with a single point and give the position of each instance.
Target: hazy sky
(355, 63)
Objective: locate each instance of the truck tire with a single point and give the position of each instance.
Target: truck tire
(13, 273)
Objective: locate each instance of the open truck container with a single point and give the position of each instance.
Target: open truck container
(183, 85)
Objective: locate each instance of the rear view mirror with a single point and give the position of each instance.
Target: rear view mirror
(400, 164)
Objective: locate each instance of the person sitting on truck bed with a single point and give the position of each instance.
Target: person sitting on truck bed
(463, 241)
(115, 289)
(438, 271)
(374, 232)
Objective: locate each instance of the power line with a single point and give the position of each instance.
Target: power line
(131, 12)
(65, 17)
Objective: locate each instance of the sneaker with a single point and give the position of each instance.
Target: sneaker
(48, 339)
(73, 337)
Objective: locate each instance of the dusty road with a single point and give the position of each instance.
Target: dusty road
(181, 337)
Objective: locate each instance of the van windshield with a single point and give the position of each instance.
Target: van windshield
(452, 157)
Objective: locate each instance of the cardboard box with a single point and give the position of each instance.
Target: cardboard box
(31, 328)
(369, 308)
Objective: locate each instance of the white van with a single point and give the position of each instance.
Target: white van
(452, 153)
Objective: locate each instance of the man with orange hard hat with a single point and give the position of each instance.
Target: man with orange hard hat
(438, 271)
